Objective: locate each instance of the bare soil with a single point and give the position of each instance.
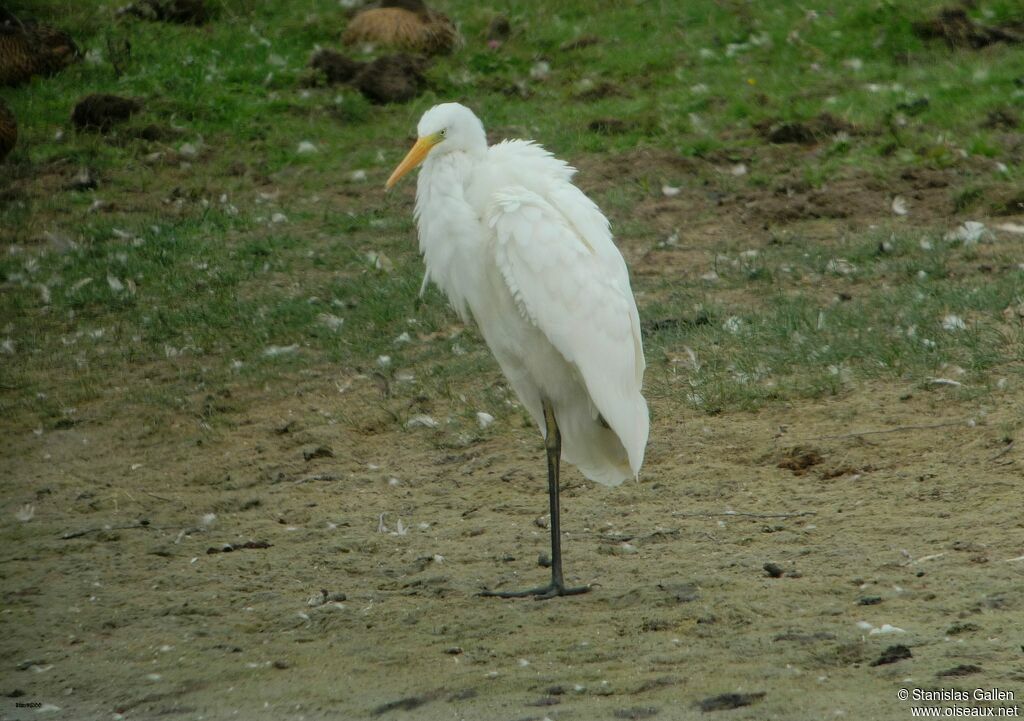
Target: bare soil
(307, 557)
(116, 601)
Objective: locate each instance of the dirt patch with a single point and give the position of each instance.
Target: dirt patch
(100, 112)
(958, 30)
(335, 67)
(712, 204)
(800, 459)
(391, 79)
(369, 558)
(1002, 119)
(358, 543)
(182, 12)
(822, 127)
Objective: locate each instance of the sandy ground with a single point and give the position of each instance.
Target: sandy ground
(804, 562)
(894, 510)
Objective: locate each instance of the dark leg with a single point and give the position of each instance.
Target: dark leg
(553, 445)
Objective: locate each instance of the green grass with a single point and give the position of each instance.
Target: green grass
(169, 274)
(882, 317)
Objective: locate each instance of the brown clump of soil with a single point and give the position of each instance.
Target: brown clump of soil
(808, 132)
(959, 31)
(391, 79)
(499, 29)
(1001, 119)
(27, 49)
(8, 130)
(101, 112)
(727, 701)
(335, 67)
(406, 24)
(892, 654)
(182, 12)
(799, 460)
(157, 133)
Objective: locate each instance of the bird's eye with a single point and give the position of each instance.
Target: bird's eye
(444, 132)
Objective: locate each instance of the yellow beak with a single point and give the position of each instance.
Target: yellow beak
(415, 157)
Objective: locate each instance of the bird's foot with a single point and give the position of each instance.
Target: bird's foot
(543, 593)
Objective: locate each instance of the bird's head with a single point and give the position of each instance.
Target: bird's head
(445, 128)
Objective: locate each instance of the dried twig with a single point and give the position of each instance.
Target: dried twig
(626, 538)
(318, 477)
(898, 429)
(78, 534)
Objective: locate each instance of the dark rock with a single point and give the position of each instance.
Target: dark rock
(773, 570)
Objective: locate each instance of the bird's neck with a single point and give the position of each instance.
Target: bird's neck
(449, 228)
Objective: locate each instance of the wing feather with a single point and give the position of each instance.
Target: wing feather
(568, 279)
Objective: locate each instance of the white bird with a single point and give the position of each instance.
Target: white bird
(523, 252)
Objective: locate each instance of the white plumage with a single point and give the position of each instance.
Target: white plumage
(524, 253)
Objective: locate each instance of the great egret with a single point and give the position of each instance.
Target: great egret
(520, 249)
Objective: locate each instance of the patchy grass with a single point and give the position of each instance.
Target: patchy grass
(214, 242)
